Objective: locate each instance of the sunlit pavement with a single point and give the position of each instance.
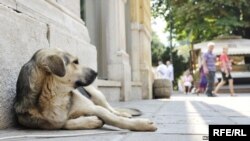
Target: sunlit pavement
(180, 118)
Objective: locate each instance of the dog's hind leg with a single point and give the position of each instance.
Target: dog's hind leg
(83, 122)
(99, 99)
(82, 105)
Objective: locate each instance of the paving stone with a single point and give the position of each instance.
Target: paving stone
(188, 121)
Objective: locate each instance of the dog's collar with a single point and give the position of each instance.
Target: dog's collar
(84, 92)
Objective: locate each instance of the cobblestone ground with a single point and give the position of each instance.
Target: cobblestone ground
(180, 118)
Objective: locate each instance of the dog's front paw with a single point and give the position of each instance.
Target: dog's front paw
(94, 122)
(144, 125)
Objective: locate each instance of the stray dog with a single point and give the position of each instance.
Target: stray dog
(47, 97)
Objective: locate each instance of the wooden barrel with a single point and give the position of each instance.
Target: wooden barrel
(162, 88)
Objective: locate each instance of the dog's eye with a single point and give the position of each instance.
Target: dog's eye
(75, 62)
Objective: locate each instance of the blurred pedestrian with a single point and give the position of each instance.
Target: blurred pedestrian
(180, 84)
(202, 82)
(170, 71)
(226, 68)
(162, 71)
(187, 80)
(209, 67)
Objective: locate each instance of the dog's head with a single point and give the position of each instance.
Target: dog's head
(64, 67)
(49, 68)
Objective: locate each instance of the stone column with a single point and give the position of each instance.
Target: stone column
(95, 18)
(145, 49)
(135, 39)
(145, 64)
(115, 41)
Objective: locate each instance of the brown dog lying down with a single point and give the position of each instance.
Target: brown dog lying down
(47, 97)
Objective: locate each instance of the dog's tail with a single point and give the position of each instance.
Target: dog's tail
(131, 111)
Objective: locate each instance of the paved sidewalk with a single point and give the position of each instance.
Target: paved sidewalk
(180, 118)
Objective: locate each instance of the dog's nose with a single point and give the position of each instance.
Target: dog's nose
(94, 73)
(89, 76)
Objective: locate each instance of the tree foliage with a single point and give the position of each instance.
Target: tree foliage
(157, 49)
(202, 20)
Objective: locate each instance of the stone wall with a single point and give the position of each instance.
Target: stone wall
(29, 25)
(72, 5)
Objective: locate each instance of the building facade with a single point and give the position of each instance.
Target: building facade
(120, 30)
(113, 39)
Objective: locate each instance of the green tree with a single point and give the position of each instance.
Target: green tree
(202, 20)
(157, 49)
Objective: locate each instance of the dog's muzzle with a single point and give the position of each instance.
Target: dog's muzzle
(87, 79)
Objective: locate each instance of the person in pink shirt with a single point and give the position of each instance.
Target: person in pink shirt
(188, 80)
(226, 68)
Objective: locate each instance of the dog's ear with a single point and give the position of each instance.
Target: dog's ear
(55, 65)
